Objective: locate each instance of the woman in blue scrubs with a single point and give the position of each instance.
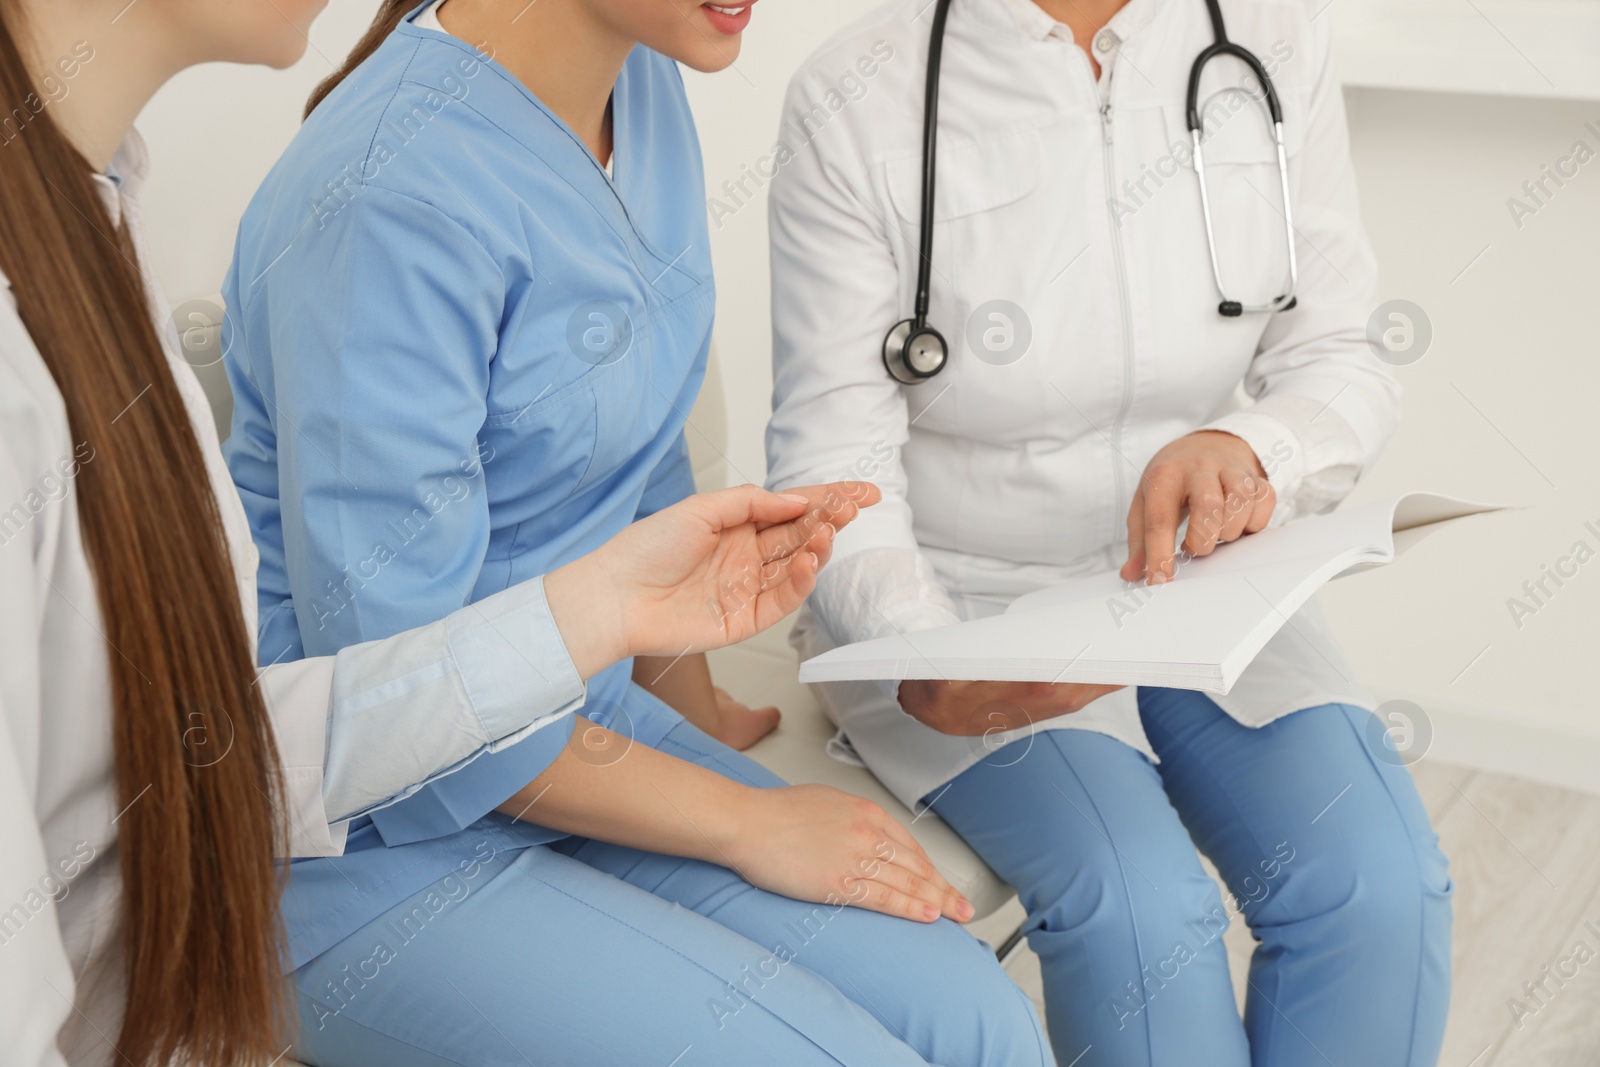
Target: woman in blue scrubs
(471, 308)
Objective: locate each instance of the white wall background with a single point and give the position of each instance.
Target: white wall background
(213, 133)
(1502, 407)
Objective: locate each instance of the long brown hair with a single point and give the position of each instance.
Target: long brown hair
(197, 833)
(388, 17)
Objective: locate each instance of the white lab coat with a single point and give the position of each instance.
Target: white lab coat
(1074, 200)
(354, 731)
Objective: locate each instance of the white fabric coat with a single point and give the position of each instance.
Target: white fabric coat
(1072, 199)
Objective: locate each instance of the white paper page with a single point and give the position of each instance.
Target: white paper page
(1368, 527)
(1182, 633)
(1197, 632)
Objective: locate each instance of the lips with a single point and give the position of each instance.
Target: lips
(728, 18)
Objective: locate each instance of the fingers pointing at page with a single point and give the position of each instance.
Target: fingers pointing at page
(1211, 477)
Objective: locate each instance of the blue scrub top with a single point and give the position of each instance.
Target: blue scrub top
(461, 356)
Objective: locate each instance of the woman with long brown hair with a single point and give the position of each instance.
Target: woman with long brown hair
(149, 773)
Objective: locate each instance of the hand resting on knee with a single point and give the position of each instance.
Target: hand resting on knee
(710, 571)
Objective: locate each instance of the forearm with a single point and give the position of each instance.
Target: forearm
(606, 787)
(683, 684)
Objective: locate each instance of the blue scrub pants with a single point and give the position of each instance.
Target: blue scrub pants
(585, 954)
(1326, 851)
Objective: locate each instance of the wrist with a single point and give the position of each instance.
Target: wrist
(587, 609)
(914, 695)
(730, 819)
(1246, 451)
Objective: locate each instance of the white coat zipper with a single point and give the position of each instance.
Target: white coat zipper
(1119, 476)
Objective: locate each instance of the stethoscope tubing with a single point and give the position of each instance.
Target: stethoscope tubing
(1221, 46)
(930, 144)
(914, 331)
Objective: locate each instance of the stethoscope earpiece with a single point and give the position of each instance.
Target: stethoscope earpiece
(912, 353)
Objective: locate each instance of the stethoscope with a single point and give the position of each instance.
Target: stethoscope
(913, 351)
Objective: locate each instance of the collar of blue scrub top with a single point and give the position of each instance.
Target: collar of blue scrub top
(579, 168)
(409, 28)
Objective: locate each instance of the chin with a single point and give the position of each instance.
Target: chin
(707, 60)
(287, 56)
(274, 33)
(278, 50)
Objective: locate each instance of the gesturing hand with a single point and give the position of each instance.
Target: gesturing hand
(816, 843)
(1212, 476)
(706, 572)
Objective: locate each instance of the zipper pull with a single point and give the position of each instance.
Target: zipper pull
(1105, 121)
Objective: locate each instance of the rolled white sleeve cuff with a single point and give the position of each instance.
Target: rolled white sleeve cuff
(513, 662)
(877, 593)
(1310, 448)
(374, 724)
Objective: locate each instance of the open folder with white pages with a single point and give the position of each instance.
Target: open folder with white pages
(1199, 631)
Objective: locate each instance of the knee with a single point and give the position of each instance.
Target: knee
(1107, 898)
(1381, 896)
(1009, 1031)
(1404, 891)
(1370, 879)
(985, 1018)
(1124, 962)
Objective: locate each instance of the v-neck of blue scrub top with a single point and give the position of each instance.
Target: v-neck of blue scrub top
(494, 185)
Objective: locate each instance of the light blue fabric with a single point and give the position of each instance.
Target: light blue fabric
(1326, 850)
(461, 356)
(605, 956)
(430, 702)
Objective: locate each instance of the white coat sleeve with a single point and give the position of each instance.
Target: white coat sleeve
(372, 725)
(1318, 388)
(836, 412)
(36, 981)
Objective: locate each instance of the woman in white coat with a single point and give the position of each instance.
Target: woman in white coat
(1085, 410)
(148, 772)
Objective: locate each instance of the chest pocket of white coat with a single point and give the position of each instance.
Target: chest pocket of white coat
(981, 185)
(984, 214)
(1242, 183)
(973, 176)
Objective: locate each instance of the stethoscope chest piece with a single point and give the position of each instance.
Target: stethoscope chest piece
(912, 354)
